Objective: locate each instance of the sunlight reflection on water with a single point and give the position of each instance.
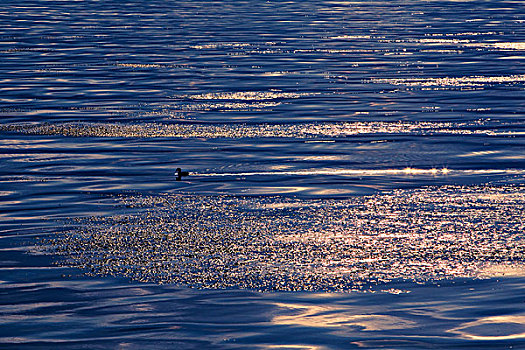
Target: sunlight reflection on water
(369, 140)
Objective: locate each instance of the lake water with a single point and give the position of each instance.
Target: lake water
(356, 174)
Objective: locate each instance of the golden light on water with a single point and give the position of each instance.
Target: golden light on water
(277, 243)
(433, 171)
(493, 328)
(337, 318)
(322, 132)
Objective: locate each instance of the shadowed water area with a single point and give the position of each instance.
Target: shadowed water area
(356, 174)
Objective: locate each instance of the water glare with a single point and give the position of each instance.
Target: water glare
(277, 243)
(356, 174)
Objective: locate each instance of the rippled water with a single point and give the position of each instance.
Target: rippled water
(356, 174)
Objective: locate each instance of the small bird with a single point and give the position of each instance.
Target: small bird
(180, 174)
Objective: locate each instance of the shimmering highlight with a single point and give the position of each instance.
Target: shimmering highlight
(274, 243)
(296, 130)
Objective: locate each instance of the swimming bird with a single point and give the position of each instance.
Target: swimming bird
(180, 174)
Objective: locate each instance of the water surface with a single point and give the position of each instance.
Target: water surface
(356, 174)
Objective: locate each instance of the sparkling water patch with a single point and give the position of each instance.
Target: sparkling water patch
(276, 243)
(226, 106)
(298, 130)
(238, 101)
(250, 95)
(465, 81)
(510, 46)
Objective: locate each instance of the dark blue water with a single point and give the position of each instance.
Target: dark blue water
(356, 174)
